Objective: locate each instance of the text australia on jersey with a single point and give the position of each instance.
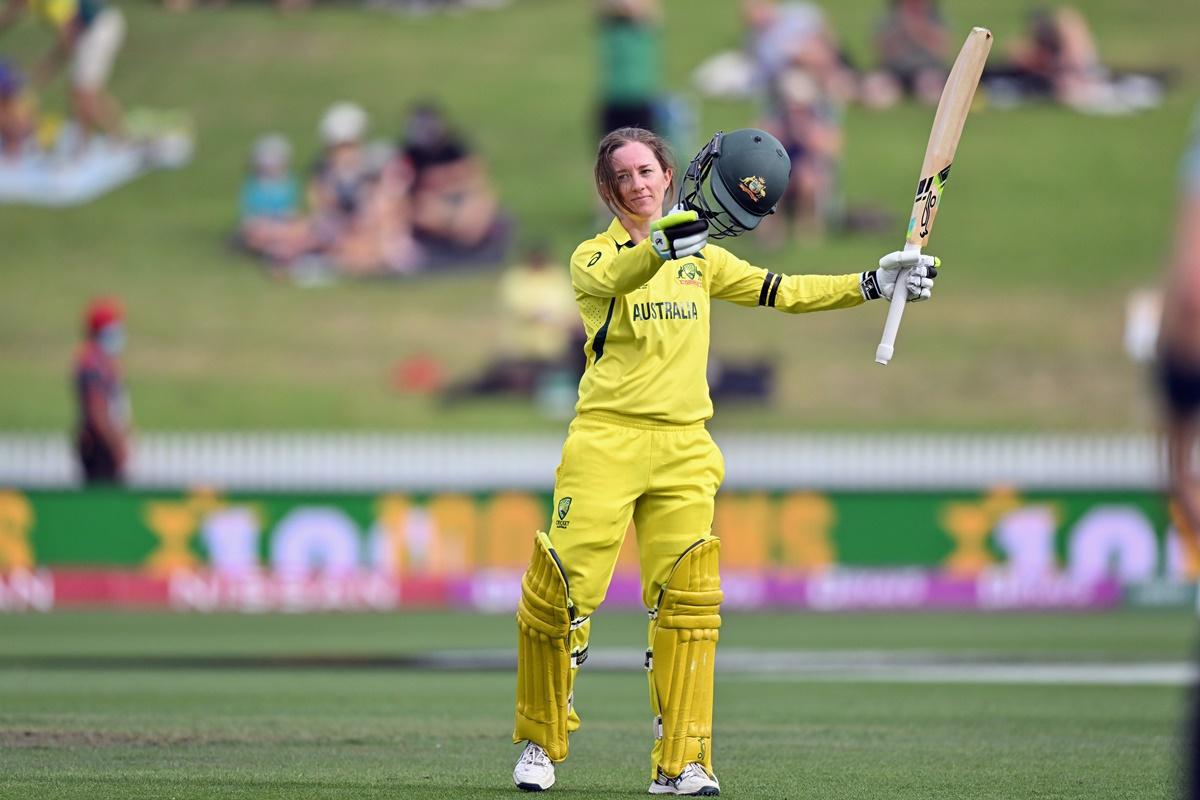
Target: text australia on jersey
(665, 310)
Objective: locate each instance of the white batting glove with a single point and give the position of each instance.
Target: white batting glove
(882, 282)
(681, 233)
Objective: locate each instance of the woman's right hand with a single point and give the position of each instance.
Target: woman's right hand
(681, 233)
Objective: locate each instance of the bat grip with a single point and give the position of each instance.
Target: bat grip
(887, 343)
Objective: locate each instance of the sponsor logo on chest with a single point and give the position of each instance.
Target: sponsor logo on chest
(689, 274)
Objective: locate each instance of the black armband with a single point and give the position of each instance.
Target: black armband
(869, 286)
(770, 289)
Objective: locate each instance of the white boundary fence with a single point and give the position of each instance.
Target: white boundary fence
(448, 461)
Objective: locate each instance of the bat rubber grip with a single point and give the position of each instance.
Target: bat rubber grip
(887, 343)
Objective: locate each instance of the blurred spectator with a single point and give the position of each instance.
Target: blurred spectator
(271, 220)
(103, 422)
(1179, 377)
(420, 8)
(808, 122)
(1057, 56)
(796, 34)
(456, 218)
(88, 34)
(400, 249)
(912, 45)
(1057, 59)
(630, 69)
(1179, 345)
(374, 209)
(179, 6)
(347, 209)
(776, 34)
(358, 196)
(538, 303)
(17, 112)
(541, 329)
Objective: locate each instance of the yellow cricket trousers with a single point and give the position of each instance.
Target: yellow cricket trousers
(664, 478)
(615, 468)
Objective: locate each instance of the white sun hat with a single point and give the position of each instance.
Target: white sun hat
(343, 123)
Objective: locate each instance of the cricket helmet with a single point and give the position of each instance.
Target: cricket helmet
(736, 180)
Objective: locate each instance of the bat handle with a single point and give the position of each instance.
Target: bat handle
(887, 343)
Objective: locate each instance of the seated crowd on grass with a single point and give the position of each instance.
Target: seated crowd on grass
(373, 207)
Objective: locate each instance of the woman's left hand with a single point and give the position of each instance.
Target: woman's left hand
(922, 270)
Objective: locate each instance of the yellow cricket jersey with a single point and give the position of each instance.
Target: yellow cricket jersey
(61, 13)
(647, 321)
(55, 13)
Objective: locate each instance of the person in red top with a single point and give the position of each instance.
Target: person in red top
(102, 432)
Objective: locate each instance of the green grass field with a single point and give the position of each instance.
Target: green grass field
(78, 720)
(1053, 218)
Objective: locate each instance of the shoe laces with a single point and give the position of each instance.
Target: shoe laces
(689, 769)
(535, 755)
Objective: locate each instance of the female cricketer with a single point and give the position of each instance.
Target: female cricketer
(638, 447)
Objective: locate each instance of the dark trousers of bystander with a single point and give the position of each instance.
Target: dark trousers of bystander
(99, 463)
(615, 115)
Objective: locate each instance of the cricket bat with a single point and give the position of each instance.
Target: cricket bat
(935, 169)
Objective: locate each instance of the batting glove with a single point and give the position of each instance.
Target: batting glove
(882, 282)
(679, 234)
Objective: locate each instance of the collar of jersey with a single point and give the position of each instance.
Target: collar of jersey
(621, 236)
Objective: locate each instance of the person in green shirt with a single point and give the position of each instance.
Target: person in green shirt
(630, 69)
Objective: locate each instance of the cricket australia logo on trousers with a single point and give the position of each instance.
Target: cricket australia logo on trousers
(564, 507)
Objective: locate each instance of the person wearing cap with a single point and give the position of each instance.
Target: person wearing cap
(88, 34)
(638, 449)
(348, 212)
(336, 192)
(103, 421)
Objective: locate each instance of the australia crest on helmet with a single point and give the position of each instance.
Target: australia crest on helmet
(755, 187)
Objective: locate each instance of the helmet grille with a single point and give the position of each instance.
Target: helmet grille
(695, 193)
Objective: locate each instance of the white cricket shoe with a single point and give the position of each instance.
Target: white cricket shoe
(693, 781)
(534, 771)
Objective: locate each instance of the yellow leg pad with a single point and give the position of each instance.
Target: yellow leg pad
(683, 648)
(543, 655)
